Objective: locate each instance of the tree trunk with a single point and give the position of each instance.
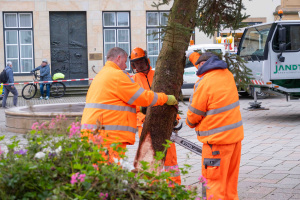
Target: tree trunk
(168, 79)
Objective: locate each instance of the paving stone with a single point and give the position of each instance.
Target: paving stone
(274, 176)
(277, 196)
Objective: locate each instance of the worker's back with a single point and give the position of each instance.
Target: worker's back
(214, 108)
(108, 105)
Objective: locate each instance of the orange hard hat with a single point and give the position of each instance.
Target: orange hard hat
(137, 53)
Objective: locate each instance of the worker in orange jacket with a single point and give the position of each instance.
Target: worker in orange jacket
(144, 77)
(111, 101)
(214, 112)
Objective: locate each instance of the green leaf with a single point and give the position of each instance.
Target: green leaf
(77, 166)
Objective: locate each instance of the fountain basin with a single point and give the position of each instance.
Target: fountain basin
(20, 119)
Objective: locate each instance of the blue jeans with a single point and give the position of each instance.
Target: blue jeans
(47, 89)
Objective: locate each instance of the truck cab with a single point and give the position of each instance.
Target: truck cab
(273, 54)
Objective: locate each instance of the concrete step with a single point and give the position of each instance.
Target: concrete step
(75, 90)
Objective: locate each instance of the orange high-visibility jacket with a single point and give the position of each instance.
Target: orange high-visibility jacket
(214, 107)
(113, 97)
(145, 81)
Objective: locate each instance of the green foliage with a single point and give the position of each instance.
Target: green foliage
(239, 70)
(210, 16)
(213, 13)
(60, 166)
(237, 67)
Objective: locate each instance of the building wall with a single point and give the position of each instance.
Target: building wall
(93, 8)
(257, 9)
(290, 9)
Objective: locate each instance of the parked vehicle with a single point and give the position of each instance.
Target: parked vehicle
(189, 76)
(273, 54)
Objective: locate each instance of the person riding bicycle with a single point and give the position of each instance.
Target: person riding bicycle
(45, 75)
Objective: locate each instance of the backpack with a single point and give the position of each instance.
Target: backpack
(3, 77)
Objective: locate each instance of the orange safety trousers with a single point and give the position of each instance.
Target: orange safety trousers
(171, 163)
(113, 155)
(110, 155)
(220, 166)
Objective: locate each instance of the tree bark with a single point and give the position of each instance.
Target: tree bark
(168, 78)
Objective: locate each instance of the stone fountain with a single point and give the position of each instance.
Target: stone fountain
(20, 119)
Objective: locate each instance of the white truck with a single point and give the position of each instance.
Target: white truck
(189, 76)
(273, 54)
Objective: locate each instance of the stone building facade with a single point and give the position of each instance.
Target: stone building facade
(75, 35)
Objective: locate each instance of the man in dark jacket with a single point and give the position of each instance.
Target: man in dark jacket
(9, 88)
(44, 76)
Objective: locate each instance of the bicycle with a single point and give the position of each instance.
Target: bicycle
(57, 89)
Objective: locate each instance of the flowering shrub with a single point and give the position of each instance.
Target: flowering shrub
(66, 166)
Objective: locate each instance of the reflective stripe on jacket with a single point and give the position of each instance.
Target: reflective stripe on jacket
(214, 108)
(112, 99)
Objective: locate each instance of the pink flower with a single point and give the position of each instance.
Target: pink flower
(75, 129)
(202, 179)
(1, 152)
(81, 177)
(77, 177)
(197, 198)
(34, 125)
(95, 167)
(210, 197)
(74, 178)
(98, 139)
(103, 196)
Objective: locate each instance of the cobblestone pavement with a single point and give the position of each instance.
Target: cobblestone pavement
(270, 163)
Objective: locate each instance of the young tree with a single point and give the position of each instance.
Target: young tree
(184, 16)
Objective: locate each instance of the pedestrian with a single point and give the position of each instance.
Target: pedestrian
(9, 88)
(214, 112)
(144, 77)
(45, 75)
(111, 101)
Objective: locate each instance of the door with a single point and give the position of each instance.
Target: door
(290, 67)
(68, 41)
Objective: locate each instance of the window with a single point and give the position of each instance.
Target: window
(18, 34)
(292, 38)
(116, 29)
(155, 20)
(254, 42)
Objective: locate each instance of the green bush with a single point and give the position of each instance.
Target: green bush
(60, 166)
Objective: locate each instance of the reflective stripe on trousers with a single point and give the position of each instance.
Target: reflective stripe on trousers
(110, 127)
(110, 107)
(220, 129)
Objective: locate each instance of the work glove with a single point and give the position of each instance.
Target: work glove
(188, 53)
(171, 100)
